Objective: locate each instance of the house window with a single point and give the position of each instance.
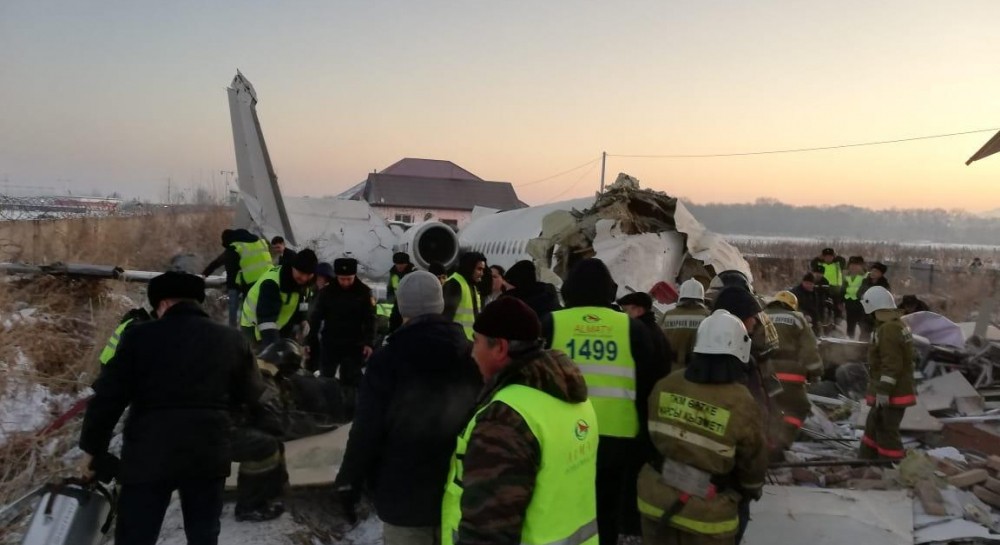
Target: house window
(451, 223)
(404, 218)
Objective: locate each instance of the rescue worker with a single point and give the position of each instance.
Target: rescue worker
(415, 399)
(639, 306)
(542, 297)
(524, 467)
(277, 303)
(680, 324)
(853, 281)
(890, 377)
(180, 376)
(246, 258)
(132, 317)
(292, 406)
(439, 271)
(344, 320)
(462, 301)
(616, 357)
(832, 267)
(324, 277)
(708, 433)
(283, 255)
(876, 277)
(810, 302)
(796, 362)
(401, 267)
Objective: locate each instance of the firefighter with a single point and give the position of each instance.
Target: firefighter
(276, 304)
(462, 301)
(616, 356)
(681, 323)
(246, 258)
(401, 267)
(796, 362)
(344, 318)
(890, 377)
(710, 449)
(524, 467)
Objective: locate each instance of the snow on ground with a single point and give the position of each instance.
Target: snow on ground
(25, 405)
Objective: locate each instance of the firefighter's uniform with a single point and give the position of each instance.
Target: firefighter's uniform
(796, 362)
(680, 325)
(890, 375)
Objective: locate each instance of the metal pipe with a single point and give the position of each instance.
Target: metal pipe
(826, 463)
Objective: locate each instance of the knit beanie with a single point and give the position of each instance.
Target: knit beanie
(508, 318)
(305, 261)
(419, 293)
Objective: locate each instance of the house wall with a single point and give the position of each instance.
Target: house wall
(390, 212)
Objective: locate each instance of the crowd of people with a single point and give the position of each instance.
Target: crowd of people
(493, 408)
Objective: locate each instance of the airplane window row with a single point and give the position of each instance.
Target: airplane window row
(508, 247)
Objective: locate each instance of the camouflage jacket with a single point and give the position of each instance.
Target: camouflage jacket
(502, 457)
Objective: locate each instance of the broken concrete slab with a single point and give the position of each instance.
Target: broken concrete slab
(950, 390)
(951, 531)
(816, 516)
(972, 438)
(930, 498)
(969, 478)
(988, 496)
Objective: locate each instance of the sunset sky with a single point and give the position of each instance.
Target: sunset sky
(119, 96)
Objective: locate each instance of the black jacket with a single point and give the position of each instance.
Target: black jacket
(230, 258)
(868, 283)
(287, 257)
(271, 298)
(343, 316)
(661, 345)
(540, 296)
(416, 397)
(811, 303)
(182, 375)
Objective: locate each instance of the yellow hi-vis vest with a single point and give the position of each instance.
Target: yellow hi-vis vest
(598, 341)
(853, 286)
(465, 315)
(833, 273)
(112, 347)
(563, 506)
(289, 305)
(255, 260)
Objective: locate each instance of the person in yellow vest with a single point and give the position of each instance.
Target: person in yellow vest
(401, 267)
(524, 467)
(131, 318)
(890, 377)
(276, 303)
(853, 281)
(462, 300)
(710, 452)
(832, 267)
(246, 258)
(795, 363)
(617, 360)
(681, 323)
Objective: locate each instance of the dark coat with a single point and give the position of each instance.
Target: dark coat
(415, 398)
(343, 317)
(272, 297)
(287, 257)
(230, 258)
(181, 375)
(662, 351)
(540, 296)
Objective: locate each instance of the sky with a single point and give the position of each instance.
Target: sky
(122, 95)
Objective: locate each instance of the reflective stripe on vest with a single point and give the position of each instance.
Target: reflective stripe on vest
(289, 305)
(598, 341)
(833, 273)
(563, 505)
(465, 314)
(112, 347)
(853, 286)
(255, 260)
(701, 527)
(791, 377)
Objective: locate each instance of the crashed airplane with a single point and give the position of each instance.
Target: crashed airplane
(644, 236)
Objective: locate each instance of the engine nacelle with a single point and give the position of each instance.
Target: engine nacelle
(428, 242)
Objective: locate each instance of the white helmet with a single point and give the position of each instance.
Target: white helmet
(692, 289)
(877, 298)
(723, 333)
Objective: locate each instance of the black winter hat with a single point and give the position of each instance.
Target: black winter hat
(175, 285)
(856, 259)
(508, 318)
(400, 258)
(639, 299)
(738, 301)
(589, 284)
(521, 274)
(829, 251)
(345, 266)
(808, 277)
(325, 270)
(437, 269)
(880, 267)
(305, 261)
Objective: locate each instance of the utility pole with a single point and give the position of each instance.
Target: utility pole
(604, 160)
(168, 190)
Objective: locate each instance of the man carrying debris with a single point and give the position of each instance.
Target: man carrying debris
(681, 323)
(853, 282)
(414, 400)
(796, 362)
(710, 452)
(524, 468)
(639, 306)
(890, 377)
(276, 303)
(616, 357)
(462, 301)
(401, 267)
(181, 375)
(344, 318)
(246, 258)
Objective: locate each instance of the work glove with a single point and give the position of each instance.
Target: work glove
(882, 400)
(346, 500)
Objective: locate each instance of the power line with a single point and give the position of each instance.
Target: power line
(799, 150)
(540, 180)
(571, 186)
